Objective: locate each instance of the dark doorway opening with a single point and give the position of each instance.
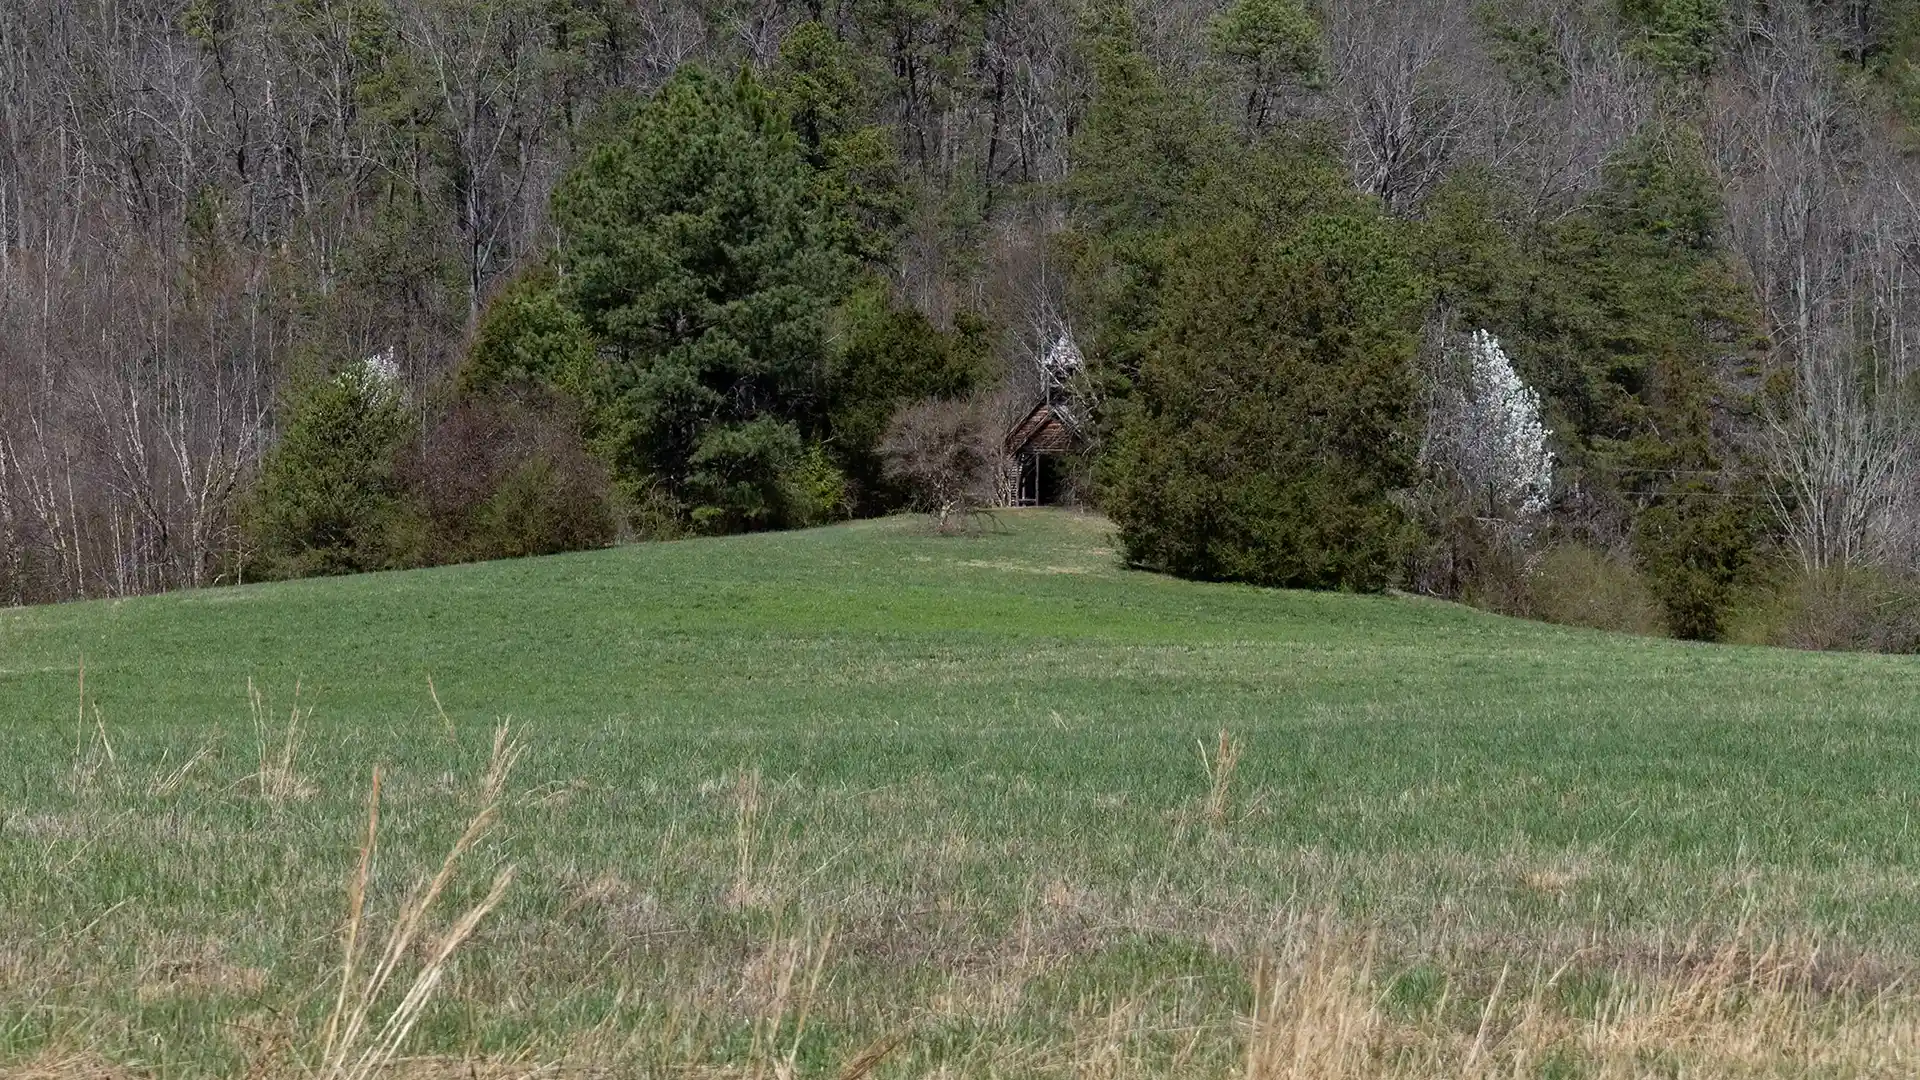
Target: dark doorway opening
(1042, 480)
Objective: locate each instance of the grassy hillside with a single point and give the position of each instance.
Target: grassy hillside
(964, 774)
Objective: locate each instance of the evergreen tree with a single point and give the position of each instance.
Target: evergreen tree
(1275, 414)
(821, 83)
(698, 249)
(888, 357)
(327, 501)
(1268, 43)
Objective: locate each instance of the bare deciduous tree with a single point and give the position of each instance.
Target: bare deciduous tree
(944, 454)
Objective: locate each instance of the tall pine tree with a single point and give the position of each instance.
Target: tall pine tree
(698, 248)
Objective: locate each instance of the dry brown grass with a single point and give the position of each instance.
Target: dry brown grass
(1220, 769)
(278, 778)
(1739, 1008)
(1321, 1008)
(747, 797)
(367, 1027)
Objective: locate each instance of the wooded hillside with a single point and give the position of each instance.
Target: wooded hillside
(322, 285)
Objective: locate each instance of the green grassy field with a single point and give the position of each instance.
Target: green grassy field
(965, 775)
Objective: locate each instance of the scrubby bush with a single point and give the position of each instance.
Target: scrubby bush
(502, 475)
(816, 491)
(1856, 609)
(1578, 585)
(943, 455)
(1462, 556)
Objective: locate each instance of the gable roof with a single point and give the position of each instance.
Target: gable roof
(1048, 429)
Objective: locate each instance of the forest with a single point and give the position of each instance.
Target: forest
(1597, 311)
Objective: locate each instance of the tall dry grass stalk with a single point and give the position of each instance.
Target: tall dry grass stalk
(367, 1026)
(168, 782)
(1220, 768)
(798, 968)
(1315, 1016)
(278, 778)
(434, 693)
(93, 752)
(747, 798)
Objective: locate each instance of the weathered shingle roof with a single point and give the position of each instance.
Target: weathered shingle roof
(1048, 429)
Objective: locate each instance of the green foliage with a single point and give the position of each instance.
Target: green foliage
(1891, 56)
(1144, 147)
(1680, 37)
(531, 334)
(1275, 37)
(817, 492)
(699, 251)
(1274, 418)
(327, 501)
(738, 475)
(889, 356)
(1523, 47)
(1697, 546)
(1144, 152)
(1258, 321)
(1628, 316)
(821, 83)
(1269, 43)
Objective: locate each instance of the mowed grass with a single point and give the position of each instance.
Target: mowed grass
(789, 796)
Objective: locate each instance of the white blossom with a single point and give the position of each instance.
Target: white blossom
(1489, 433)
(383, 366)
(377, 377)
(1062, 360)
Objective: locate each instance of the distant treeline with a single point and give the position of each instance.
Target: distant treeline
(1601, 311)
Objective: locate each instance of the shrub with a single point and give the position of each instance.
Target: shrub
(529, 334)
(816, 491)
(1855, 609)
(940, 452)
(738, 475)
(505, 475)
(1576, 585)
(1463, 556)
(1697, 549)
(327, 501)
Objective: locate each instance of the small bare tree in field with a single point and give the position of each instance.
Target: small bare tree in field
(943, 454)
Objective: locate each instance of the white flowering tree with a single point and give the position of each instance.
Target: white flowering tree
(376, 378)
(1485, 429)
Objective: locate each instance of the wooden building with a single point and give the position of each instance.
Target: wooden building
(1038, 446)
